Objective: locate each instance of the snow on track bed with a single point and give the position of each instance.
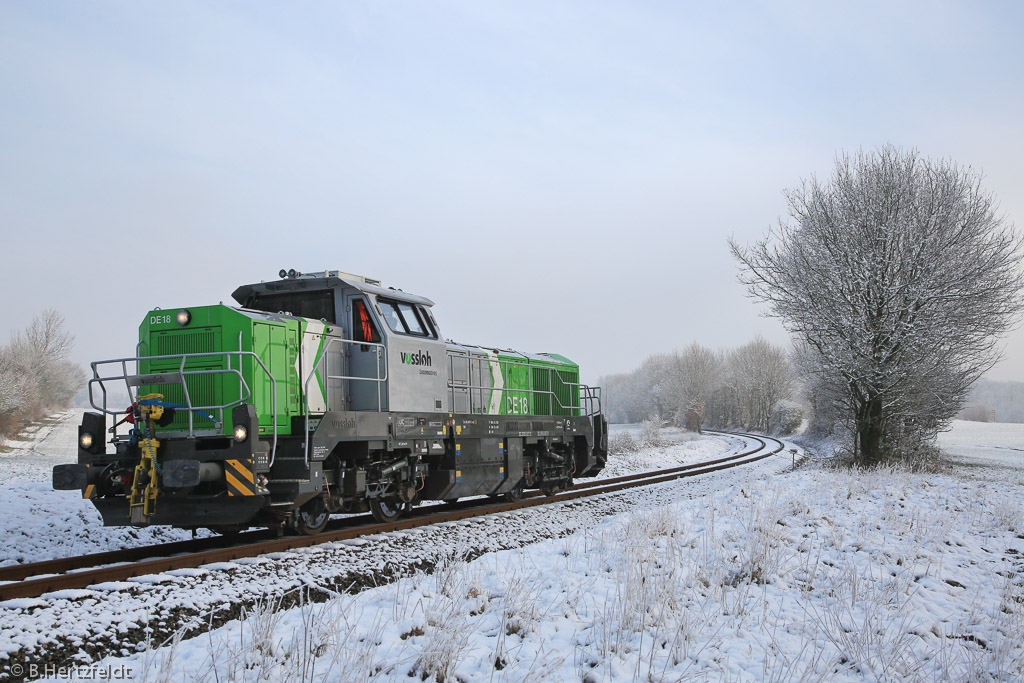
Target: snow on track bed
(115, 618)
(682, 448)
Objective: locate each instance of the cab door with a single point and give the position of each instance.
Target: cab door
(366, 357)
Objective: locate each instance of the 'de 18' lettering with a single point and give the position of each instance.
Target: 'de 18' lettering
(159, 319)
(517, 405)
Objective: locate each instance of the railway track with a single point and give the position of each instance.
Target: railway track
(39, 578)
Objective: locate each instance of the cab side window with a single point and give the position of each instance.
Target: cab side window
(363, 329)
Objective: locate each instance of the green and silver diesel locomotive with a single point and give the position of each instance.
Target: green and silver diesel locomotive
(322, 393)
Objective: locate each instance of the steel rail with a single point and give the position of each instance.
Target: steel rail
(35, 587)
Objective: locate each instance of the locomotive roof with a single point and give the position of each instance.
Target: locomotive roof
(485, 350)
(322, 281)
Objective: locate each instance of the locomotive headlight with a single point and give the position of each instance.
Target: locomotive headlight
(183, 317)
(85, 440)
(241, 433)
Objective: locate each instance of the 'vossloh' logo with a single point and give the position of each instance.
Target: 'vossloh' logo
(418, 358)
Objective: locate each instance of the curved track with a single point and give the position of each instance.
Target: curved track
(38, 578)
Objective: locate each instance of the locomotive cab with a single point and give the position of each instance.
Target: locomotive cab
(377, 327)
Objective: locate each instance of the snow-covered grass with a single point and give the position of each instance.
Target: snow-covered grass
(815, 575)
(749, 574)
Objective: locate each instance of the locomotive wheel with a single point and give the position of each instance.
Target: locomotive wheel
(312, 517)
(386, 510)
(516, 494)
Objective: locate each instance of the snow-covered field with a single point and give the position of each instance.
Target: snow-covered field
(751, 574)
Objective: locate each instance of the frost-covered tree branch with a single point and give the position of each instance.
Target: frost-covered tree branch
(35, 373)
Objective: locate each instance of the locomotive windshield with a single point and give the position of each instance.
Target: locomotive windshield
(316, 305)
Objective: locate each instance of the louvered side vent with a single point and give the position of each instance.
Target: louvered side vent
(565, 387)
(541, 385)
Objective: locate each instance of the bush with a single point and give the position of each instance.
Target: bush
(787, 417)
(650, 435)
(621, 443)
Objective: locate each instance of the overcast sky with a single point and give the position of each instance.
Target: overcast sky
(557, 176)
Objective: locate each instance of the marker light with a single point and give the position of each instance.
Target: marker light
(183, 317)
(85, 440)
(283, 273)
(241, 433)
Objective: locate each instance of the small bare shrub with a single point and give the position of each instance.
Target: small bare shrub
(650, 435)
(622, 443)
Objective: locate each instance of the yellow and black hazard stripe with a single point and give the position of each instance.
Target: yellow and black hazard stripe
(90, 489)
(239, 477)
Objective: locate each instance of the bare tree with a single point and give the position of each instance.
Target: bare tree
(654, 377)
(622, 398)
(35, 373)
(697, 371)
(739, 388)
(48, 337)
(763, 378)
(900, 276)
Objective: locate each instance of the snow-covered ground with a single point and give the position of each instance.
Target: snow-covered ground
(985, 444)
(750, 574)
(31, 457)
(43, 524)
